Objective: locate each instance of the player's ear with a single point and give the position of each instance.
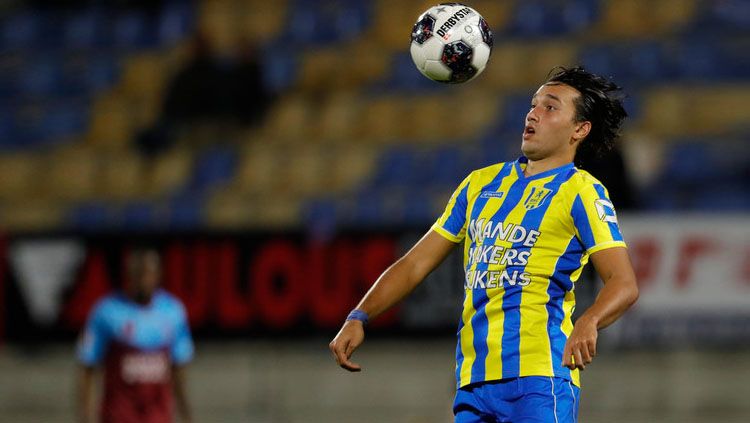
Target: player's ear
(581, 131)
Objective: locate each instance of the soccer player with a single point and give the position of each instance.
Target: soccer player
(142, 339)
(528, 227)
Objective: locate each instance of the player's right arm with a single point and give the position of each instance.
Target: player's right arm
(393, 285)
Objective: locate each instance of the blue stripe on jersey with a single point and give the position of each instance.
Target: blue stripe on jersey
(479, 204)
(582, 223)
(455, 221)
(560, 283)
(512, 296)
(613, 229)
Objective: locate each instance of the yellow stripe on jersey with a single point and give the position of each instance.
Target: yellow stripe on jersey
(466, 338)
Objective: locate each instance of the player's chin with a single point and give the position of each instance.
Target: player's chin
(530, 151)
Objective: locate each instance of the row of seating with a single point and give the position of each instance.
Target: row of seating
(352, 138)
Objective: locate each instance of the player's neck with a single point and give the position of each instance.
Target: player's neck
(535, 167)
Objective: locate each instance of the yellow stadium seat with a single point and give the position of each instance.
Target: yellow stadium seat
(72, 173)
(644, 18)
(261, 169)
(121, 176)
(32, 214)
(111, 124)
(168, 172)
(675, 111)
(20, 176)
(288, 118)
(351, 165)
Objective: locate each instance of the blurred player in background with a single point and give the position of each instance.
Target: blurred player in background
(528, 227)
(141, 338)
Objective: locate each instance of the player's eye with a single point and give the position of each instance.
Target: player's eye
(548, 107)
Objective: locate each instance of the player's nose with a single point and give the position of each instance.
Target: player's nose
(531, 116)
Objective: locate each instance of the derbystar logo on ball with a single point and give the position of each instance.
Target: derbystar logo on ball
(451, 43)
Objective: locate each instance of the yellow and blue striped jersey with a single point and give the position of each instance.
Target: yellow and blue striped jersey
(526, 240)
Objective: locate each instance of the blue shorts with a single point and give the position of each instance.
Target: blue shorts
(518, 400)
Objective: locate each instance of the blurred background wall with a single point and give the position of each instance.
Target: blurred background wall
(281, 154)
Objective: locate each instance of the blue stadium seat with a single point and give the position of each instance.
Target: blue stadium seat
(722, 198)
(19, 31)
(175, 22)
(133, 30)
(42, 77)
(213, 167)
(646, 61)
(536, 19)
(726, 16)
(90, 216)
(138, 216)
(601, 60)
(84, 30)
(396, 166)
(88, 75)
(279, 67)
(405, 77)
(579, 15)
(63, 120)
(321, 216)
(185, 213)
(352, 18)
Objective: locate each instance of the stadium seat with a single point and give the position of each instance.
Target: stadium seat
(72, 173)
(167, 173)
(90, 216)
(121, 176)
(20, 31)
(213, 167)
(85, 30)
(20, 176)
(139, 216)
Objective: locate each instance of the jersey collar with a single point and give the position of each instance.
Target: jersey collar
(523, 160)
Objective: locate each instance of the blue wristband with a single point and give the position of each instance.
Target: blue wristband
(357, 314)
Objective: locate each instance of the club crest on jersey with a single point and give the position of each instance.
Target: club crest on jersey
(536, 197)
(606, 210)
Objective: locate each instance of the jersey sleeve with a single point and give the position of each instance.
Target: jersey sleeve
(182, 348)
(595, 219)
(95, 337)
(452, 223)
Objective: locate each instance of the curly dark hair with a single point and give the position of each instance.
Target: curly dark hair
(600, 103)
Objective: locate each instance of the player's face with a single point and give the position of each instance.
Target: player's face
(145, 273)
(550, 128)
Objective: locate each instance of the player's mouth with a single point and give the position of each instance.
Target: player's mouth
(528, 131)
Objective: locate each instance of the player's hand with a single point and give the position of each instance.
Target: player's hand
(580, 349)
(343, 345)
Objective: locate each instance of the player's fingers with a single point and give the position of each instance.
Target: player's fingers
(350, 349)
(567, 357)
(351, 366)
(337, 348)
(592, 348)
(579, 359)
(585, 354)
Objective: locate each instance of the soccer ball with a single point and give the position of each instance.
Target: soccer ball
(451, 43)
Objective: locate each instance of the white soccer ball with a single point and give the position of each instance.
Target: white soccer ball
(451, 43)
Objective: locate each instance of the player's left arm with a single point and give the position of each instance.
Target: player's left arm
(182, 351)
(179, 385)
(620, 291)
